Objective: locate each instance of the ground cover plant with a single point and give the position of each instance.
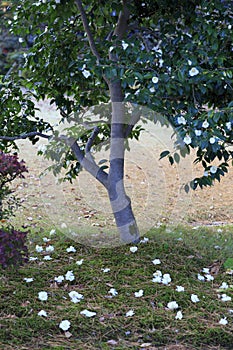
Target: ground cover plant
(174, 288)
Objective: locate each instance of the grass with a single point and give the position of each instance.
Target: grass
(183, 252)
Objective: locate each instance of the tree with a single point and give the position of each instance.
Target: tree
(173, 57)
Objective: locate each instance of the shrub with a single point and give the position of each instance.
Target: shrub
(10, 169)
(13, 250)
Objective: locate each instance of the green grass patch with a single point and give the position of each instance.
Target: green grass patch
(183, 252)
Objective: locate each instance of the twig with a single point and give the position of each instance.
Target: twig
(92, 139)
(24, 136)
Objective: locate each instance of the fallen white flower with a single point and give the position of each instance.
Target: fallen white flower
(195, 298)
(39, 248)
(223, 321)
(88, 313)
(133, 249)
(52, 232)
(74, 294)
(113, 292)
(42, 313)
(49, 249)
(33, 258)
(69, 276)
(105, 270)
(129, 313)
(47, 257)
(28, 280)
(172, 305)
(179, 315)
(156, 261)
(166, 278)
(225, 297)
(179, 289)
(224, 285)
(45, 239)
(200, 277)
(59, 279)
(79, 262)
(64, 325)
(71, 249)
(43, 296)
(139, 293)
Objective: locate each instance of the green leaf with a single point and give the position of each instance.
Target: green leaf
(164, 154)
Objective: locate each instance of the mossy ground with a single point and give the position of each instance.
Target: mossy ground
(183, 252)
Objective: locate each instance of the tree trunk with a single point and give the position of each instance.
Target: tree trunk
(120, 202)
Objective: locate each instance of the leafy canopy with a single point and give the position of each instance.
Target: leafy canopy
(176, 59)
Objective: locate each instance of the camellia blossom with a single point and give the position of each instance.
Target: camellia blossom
(79, 262)
(198, 132)
(88, 313)
(156, 261)
(225, 297)
(133, 249)
(179, 289)
(113, 291)
(43, 296)
(52, 232)
(213, 169)
(155, 80)
(200, 277)
(224, 285)
(71, 249)
(45, 239)
(28, 280)
(193, 71)
(187, 140)
(166, 278)
(181, 120)
(205, 124)
(172, 305)
(209, 277)
(59, 279)
(129, 313)
(86, 73)
(69, 276)
(105, 270)
(39, 248)
(75, 296)
(124, 45)
(195, 298)
(223, 321)
(42, 313)
(47, 257)
(139, 294)
(144, 240)
(49, 249)
(64, 325)
(179, 315)
(212, 140)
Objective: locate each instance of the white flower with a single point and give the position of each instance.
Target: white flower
(63, 225)
(75, 296)
(88, 313)
(172, 305)
(28, 280)
(155, 80)
(200, 277)
(189, 62)
(181, 120)
(156, 261)
(113, 292)
(57, 1)
(86, 73)
(105, 270)
(179, 315)
(198, 132)
(49, 249)
(129, 313)
(205, 270)
(52, 232)
(225, 297)
(152, 89)
(144, 240)
(39, 248)
(193, 71)
(213, 169)
(209, 277)
(32, 258)
(157, 276)
(195, 298)
(228, 125)
(212, 140)
(179, 289)
(42, 313)
(79, 262)
(229, 26)
(133, 249)
(205, 124)
(124, 45)
(45, 239)
(59, 279)
(71, 249)
(205, 173)
(224, 285)
(166, 278)
(139, 293)
(69, 276)
(47, 257)
(43, 296)
(223, 321)
(187, 140)
(64, 325)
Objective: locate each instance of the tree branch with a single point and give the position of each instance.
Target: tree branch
(24, 136)
(87, 29)
(92, 139)
(122, 24)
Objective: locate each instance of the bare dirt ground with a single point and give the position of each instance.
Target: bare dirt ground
(156, 189)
